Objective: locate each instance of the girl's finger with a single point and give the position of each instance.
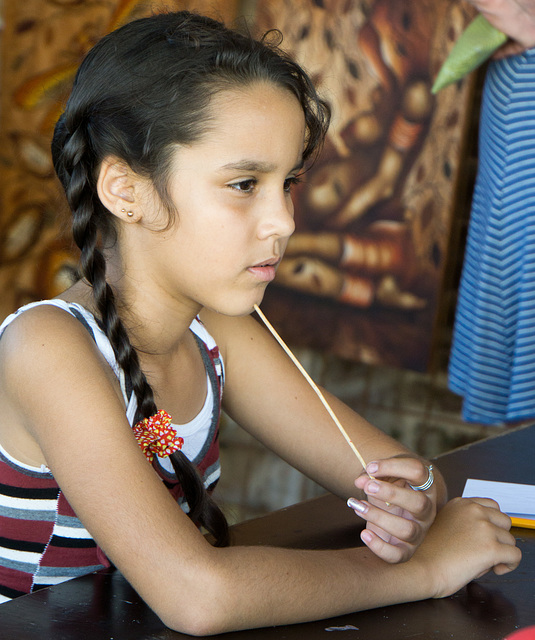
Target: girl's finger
(494, 514)
(387, 552)
(403, 529)
(413, 470)
(415, 502)
(510, 556)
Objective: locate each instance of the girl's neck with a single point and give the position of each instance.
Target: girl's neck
(154, 327)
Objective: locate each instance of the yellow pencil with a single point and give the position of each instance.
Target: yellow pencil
(525, 523)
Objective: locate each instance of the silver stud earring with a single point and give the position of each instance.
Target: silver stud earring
(130, 214)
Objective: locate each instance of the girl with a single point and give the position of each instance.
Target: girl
(178, 150)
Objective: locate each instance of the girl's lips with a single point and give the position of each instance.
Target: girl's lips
(265, 271)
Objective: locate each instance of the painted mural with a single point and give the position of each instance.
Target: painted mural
(362, 274)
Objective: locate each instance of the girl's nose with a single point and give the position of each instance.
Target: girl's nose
(277, 219)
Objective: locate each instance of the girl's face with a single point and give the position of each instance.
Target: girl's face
(232, 194)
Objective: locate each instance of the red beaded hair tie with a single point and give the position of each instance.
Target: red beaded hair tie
(155, 435)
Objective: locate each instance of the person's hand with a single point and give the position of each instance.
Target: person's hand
(516, 18)
(397, 516)
(469, 537)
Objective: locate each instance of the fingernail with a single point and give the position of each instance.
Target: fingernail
(357, 505)
(366, 536)
(373, 487)
(372, 468)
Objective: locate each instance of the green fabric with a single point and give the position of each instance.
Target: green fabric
(476, 44)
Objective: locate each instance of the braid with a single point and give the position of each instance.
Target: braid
(203, 508)
(79, 194)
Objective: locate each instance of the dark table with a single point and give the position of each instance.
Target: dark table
(103, 605)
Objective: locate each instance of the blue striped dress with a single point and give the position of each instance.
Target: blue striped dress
(492, 363)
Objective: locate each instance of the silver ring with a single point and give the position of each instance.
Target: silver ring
(427, 483)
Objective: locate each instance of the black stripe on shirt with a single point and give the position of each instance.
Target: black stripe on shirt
(29, 493)
(22, 545)
(10, 593)
(75, 543)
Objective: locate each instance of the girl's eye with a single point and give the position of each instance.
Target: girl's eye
(245, 186)
(291, 182)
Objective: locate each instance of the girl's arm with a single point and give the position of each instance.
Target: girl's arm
(63, 394)
(267, 395)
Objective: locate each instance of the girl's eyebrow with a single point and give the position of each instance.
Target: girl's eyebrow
(257, 166)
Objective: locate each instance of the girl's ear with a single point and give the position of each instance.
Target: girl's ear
(117, 185)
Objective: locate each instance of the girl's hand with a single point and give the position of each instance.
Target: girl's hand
(469, 537)
(397, 516)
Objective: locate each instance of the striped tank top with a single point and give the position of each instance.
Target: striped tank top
(42, 542)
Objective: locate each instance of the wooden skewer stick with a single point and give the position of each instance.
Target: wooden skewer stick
(312, 384)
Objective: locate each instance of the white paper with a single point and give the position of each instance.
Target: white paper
(516, 500)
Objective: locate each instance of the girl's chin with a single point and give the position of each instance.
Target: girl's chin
(238, 310)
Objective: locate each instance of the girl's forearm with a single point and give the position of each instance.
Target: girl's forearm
(251, 587)
(247, 587)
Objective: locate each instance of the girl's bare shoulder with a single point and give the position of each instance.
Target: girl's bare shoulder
(51, 373)
(241, 339)
(46, 346)
(42, 330)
